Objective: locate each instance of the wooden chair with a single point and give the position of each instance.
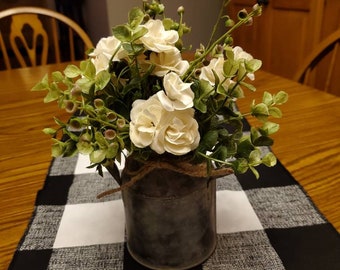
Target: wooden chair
(38, 36)
(328, 48)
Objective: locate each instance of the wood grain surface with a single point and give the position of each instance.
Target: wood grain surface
(308, 145)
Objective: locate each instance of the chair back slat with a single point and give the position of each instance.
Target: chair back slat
(42, 45)
(17, 37)
(55, 37)
(4, 53)
(325, 53)
(71, 40)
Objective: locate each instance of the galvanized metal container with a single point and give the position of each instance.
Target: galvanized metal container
(170, 217)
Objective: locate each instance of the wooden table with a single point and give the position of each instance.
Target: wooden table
(308, 144)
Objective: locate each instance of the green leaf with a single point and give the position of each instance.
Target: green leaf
(57, 76)
(200, 105)
(60, 123)
(249, 86)
(263, 141)
(53, 93)
(97, 156)
(237, 92)
(70, 149)
(85, 84)
(253, 65)
(221, 90)
(255, 157)
(232, 149)
(281, 98)
(216, 78)
(267, 98)
(254, 133)
(245, 147)
(84, 147)
(210, 139)
(230, 54)
(226, 111)
(240, 165)
(223, 133)
(112, 150)
(42, 85)
(205, 88)
(222, 153)
(168, 23)
(101, 139)
(230, 68)
(202, 91)
(242, 72)
(49, 131)
(269, 160)
(260, 111)
(133, 49)
(57, 148)
(275, 112)
(122, 33)
(88, 69)
(102, 79)
(136, 16)
(255, 172)
(141, 32)
(72, 135)
(72, 71)
(269, 128)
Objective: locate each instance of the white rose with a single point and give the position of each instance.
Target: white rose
(158, 39)
(168, 61)
(178, 95)
(216, 65)
(240, 55)
(177, 133)
(105, 49)
(151, 125)
(145, 116)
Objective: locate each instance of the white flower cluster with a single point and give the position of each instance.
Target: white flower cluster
(137, 95)
(165, 121)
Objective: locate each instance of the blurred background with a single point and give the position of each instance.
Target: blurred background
(98, 16)
(287, 32)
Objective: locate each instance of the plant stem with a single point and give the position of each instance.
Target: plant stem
(102, 121)
(214, 159)
(194, 63)
(224, 4)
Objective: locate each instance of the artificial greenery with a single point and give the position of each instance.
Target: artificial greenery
(119, 101)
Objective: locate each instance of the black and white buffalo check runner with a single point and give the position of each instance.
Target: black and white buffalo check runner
(262, 224)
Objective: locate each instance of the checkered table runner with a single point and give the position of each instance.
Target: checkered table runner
(262, 224)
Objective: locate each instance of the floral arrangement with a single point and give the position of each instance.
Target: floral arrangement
(137, 94)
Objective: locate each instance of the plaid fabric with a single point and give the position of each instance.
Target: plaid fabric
(262, 224)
